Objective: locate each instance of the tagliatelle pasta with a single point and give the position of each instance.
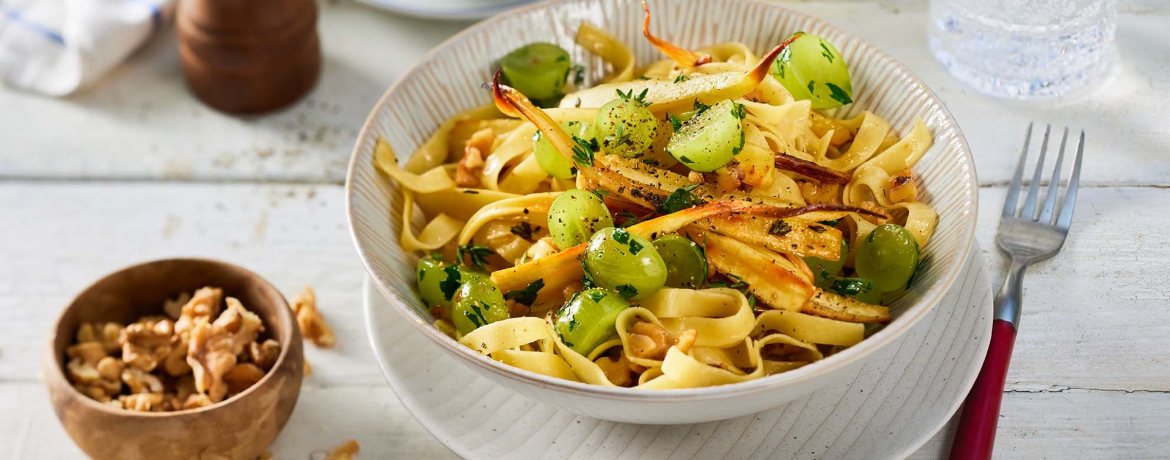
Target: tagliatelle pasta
(696, 221)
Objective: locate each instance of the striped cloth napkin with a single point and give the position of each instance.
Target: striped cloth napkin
(56, 47)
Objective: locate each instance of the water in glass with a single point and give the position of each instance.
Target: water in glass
(1024, 49)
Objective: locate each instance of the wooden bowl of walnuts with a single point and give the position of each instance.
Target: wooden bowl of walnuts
(175, 359)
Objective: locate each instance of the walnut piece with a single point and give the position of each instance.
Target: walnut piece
(264, 354)
(312, 324)
(210, 357)
(107, 334)
(141, 402)
(242, 376)
(174, 307)
(110, 368)
(651, 341)
(345, 451)
(477, 148)
(141, 382)
(204, 304)
(147, 342)
(175, 363)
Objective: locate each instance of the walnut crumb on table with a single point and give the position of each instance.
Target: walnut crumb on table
(312, 324)
(345, 451)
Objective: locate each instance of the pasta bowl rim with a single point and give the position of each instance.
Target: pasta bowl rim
(914, 312)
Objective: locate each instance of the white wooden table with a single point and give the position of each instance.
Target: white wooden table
(136, 169)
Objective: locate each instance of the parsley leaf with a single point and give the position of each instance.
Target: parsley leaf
(621, 236)
(582, 152)
(849, 287)
(700, 107)
(826, 53)
(522, 230)
(527, 295)
(586, 279)
(578, 74)
(739, 110)
(674, 121)
(817, 228)
(596, 296)
(450, 284)
(681, 78)
(831, 223)
(478, 254)
(838, 94)
(600, 192)
(780, 228)
(627, 291)
(680, 199)
(635, 247)
(811, 83)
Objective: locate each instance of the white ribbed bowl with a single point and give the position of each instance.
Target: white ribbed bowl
(448, 80)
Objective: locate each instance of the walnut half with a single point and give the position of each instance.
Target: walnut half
(312, 324)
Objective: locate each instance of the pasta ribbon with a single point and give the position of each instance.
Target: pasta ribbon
(438, 232)
(517, 206)
(609, 49)
(721, 317)
(809, 328)
(433, 180)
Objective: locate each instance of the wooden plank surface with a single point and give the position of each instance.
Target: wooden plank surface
(1089, 370)
(140, 123)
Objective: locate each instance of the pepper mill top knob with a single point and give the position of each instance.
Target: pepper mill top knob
(249, 56)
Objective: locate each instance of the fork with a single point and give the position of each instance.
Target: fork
(1027, 236)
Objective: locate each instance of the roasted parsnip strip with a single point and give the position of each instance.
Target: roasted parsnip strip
(830, 305)
(779, 280)
(684, 58)
(667, 96)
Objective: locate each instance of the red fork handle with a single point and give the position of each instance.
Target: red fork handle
(976, 434)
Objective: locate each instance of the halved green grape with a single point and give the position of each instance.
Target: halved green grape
(686, 263)
(625, 263)
(827, 269)
(710, 139)
(477, 303)
(812, 69)
(553, 162)
(538, 70)
(437, 282)
(888, 257)
(575, 216)
(857, 288)
(588, 319)
(625, 127)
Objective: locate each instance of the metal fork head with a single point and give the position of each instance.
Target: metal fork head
(1028, 234)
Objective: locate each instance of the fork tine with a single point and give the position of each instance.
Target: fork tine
(1013, 196)
(1070, 198)
(1054, 182)
(1029, 211)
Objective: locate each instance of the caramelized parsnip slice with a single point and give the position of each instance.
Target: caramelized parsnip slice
(684, 58)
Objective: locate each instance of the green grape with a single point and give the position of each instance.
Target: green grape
(478, 302)
(711, 138)
(538, 70)
(625, 127)
(686, 263)
(575, 216)
(888, 257)
(826, 269)
(811, 68)
(857, 288)
(588, 319)
(625, 263)
(436, 283)
(550, 159)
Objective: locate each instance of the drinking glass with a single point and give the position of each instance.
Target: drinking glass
(1024, 49)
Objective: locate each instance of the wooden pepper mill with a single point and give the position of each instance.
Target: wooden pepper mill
(249, 56)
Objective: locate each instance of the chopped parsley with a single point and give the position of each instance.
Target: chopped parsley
(700, 107)
(523, 230)
(527, 295)
(475, 314)
(686, 160)
(680, 199)
(917, 270)
(450, 284)
(826, 53)
(739, 110)
(831, 223)
(681, 78)
(578, 74)
(596, 296)
(583, 152)
(478, 254)
(586, 279)
(627, 291)
(600, 192)
(838, 94)
(849, 287)
(640, 98)
(817, 228)
(621, 236)
(635, 246)
(779, 228)
(811, 83)
(674, 121)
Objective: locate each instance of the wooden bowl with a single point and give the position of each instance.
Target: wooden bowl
(240, 427)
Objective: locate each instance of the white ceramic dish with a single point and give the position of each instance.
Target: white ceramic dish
(448, 80)
(888, 409)
(447, 10)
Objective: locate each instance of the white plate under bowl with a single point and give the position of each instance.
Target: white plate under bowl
(448, 80)
(902, 397)
(448, 10)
